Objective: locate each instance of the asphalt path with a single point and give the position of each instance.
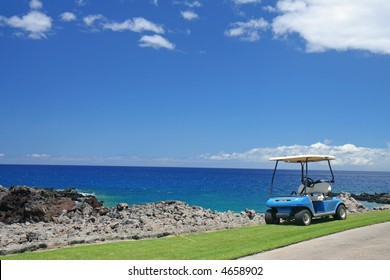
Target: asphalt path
(365, 243)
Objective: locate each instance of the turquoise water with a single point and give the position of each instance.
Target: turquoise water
(217, 189)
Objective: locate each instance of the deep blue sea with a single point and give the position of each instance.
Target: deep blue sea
(217, 189)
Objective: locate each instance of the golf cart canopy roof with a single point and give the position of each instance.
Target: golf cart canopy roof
(303, 158)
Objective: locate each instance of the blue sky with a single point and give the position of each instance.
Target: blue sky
(203, 83)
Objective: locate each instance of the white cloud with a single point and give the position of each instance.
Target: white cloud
(136, 25)
(242, 2)
(193, 4)
(35, 4)
(38, 155)
(155, 2)
(81, 2)
(94, 22)
(68, 16)
(336, 24)
(346, 155)
(156, 41)
(35, 23)
(270, 9)
(91, 19)
(2, 154)
(189, 15)
(247, 31)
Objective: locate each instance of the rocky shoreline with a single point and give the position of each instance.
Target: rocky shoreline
(381, 198)
(33, 219)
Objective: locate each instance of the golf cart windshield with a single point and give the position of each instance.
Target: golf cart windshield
(301, 179)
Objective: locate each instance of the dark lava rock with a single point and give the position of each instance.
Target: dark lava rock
(25, 204)
(381, 198)
(3, 192)
(92, 201)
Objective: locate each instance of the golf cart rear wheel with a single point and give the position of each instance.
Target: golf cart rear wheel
(341, 213)
(303, 217)
(270, 217)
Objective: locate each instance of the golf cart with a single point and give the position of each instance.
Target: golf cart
(310, 200)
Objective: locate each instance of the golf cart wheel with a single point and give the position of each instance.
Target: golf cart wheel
(341, 213)
(303, 217)
(270, 217)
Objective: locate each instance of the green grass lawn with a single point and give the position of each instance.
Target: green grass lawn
(218, 245)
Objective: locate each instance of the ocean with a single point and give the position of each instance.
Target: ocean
(215, 188)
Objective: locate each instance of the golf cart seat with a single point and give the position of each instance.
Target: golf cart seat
(318, 192)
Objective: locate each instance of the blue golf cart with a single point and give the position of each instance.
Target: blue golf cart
(310, 200)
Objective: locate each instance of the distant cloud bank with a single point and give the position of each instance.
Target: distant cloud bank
(348, 155)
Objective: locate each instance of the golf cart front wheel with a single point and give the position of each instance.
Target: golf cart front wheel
(270, 217)
(341, 213)
(303, 217)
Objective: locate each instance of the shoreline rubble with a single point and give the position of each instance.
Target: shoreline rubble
(34, 219)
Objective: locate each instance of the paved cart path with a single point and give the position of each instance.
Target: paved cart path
(366, 243)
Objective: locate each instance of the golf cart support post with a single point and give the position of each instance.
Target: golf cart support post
(303, 160)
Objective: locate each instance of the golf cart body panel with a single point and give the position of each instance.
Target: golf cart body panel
(286, 207)
(311, 198)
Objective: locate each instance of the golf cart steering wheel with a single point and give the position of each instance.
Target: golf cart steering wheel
(310, 182)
